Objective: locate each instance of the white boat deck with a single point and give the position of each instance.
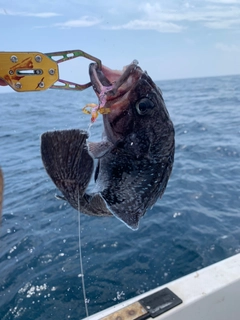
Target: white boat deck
(212, 293)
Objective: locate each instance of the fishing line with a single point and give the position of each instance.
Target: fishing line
(80, 258)
(89, 129)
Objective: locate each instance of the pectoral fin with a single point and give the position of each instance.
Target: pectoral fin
(99, 149)
(130, 219)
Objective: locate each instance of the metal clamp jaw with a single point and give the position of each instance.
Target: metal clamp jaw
(36, 71)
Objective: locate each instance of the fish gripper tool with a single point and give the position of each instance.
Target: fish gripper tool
(36, 71)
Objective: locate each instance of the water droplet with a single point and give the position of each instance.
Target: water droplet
(12, 249)
(176, 214)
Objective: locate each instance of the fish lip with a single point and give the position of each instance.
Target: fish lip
(98, 78)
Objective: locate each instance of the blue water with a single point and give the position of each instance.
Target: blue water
(195, 224)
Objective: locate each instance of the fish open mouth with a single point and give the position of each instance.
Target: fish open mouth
(112, 88)
(113, 83)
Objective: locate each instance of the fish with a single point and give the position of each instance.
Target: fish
(133, 160)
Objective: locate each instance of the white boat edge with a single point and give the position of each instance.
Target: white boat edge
(210, 293)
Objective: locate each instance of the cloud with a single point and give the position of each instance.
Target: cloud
(227, 24)
(227, 47)
(165, 16)
(29, 14)
(85, 21)
(42, 14)
(225, 1)
(153, 16)
(208, 13)
(216, 16)
(150, 25)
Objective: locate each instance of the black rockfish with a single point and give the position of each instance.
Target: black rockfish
(135, 156)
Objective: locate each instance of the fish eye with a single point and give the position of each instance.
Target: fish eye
(144, 106)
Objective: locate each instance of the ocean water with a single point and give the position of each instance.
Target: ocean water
(195, 224)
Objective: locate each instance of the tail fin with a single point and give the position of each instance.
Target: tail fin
(67, 161)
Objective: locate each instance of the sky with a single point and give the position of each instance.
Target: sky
(171, 39)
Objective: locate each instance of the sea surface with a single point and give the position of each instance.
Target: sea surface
(195, 224)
